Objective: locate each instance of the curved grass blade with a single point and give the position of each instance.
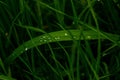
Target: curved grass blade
(63, 35)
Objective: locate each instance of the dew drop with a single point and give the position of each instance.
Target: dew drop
(49, 38)
(44, 36)
(89, 37)
(21, 51)
(82, 74)
(57, 38)
(74, 37)
(6, 34)
(13, 54)
(45, 40)
(41, 41)
(26, 49)
(66, 34)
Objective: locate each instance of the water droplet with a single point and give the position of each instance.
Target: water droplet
(66, 34)
(49, 38)
(73, 22)
(57, 38)
(45, 40)
(6, 34)
(26, 49)
(44, 36)
(41, 40)
(89, 37)
(13, 55)
(74, 37)
(82, 74)
(21, 51)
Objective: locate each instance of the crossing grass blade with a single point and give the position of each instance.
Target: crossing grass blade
(54, 37)
(3, 77)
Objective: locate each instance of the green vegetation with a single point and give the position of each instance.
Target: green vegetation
(59, 39)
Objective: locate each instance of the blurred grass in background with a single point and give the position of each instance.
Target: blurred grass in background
(23, 20)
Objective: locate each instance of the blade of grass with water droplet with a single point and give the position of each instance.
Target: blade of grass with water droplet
(51, 37)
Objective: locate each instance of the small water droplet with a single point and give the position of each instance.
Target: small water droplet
(73, 22)
(66, 34)
(6, 34)
(89, 37)
(45, 40)
(74, 37)
(49, 38)
(26, 49)
(44, 36)
(82, 74)
(41, 40)
(21, 51)
(13, 54)
(57, 38)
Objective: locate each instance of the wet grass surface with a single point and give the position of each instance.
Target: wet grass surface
(59, 40)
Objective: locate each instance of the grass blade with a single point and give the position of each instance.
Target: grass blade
(53, 37)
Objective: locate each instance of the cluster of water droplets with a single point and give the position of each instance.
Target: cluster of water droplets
(45, 39)
(52, 38)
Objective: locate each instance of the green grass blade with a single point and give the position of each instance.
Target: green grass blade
(3, 77)
(53, 9)
(53, 37)
(2, 66)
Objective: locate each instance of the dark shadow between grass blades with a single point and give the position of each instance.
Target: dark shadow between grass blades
(64, 35)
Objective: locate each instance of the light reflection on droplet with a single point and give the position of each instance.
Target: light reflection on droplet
(57, 38)
(41, 40)
(82, 74)
(89, 37)
(6, 34)
(45, 40)
(44, 36)
(26, 49)
(74, 37)
(21, 51)
(66, 34)
(49, 38)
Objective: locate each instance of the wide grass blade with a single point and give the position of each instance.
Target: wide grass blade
(53, 37)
